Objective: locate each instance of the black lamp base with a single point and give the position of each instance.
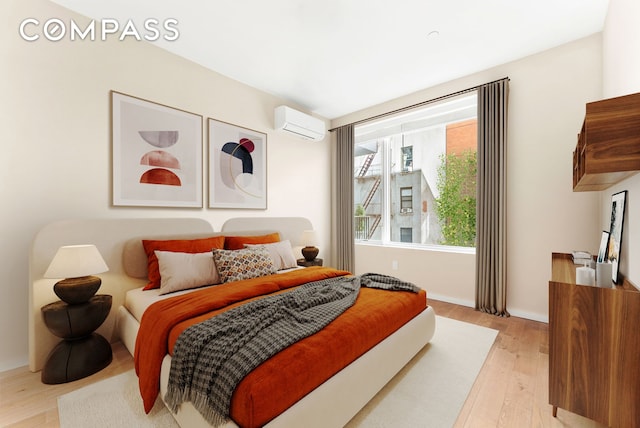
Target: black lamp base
(310, 253)
(77, 290)
(75, 359)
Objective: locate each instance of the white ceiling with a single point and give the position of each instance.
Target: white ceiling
(334, 57)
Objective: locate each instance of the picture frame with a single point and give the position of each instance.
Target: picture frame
(157, 154)
(237, 166)
(604, 243)
(618, 201)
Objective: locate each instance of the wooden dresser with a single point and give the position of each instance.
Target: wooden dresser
(594, 348)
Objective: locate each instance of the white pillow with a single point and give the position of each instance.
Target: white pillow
(181, 271)
(281, 254)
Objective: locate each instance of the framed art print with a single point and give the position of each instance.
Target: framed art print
(615, 232)
(157, 154)
(237, 167)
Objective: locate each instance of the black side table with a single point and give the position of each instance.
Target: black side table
(82, 352)
(305, 263)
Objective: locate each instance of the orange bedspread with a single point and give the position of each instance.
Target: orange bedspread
(161, 317)
(291, 374)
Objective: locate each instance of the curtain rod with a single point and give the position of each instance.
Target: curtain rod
(420, 104)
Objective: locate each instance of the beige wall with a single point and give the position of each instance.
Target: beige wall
(621, 76)
(546, 104)
(56, 160)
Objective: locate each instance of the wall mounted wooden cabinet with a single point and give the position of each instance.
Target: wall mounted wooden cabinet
(594, 348)
(608, 148)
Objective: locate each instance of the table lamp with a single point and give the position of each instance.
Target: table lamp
(77, 264)
(309, 239)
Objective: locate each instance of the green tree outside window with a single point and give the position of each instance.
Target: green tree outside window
(456, 205)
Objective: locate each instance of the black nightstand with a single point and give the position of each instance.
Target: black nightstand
(82, 352)
(305, 263)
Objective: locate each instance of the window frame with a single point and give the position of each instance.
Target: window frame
(385, 201)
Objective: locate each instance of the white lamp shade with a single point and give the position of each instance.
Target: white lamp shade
(309, 238)
(75, 261)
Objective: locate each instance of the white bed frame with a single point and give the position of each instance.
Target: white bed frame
(332, 404)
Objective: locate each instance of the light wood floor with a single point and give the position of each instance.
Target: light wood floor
(510, 391)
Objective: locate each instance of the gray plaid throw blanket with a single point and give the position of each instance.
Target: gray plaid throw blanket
(212, 357)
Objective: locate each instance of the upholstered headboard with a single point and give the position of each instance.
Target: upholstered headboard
(290, 228)
(120, 243)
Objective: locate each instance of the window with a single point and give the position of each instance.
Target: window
(406, 200)
(407, 159)
(415, 175)
(406, 234)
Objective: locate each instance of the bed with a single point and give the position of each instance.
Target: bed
(335, 400)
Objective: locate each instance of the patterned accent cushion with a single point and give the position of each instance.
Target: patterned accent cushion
(235, 265)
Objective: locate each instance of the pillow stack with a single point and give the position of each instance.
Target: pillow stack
(175, 265)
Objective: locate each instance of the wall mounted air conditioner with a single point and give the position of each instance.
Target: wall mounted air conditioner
(298, 123)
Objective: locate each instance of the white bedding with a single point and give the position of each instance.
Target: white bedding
(137, 301)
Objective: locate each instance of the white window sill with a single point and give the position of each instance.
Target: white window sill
(419, 247)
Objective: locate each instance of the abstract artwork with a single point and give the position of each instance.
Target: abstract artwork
(615, 232)
(237, 167)
(157, 154)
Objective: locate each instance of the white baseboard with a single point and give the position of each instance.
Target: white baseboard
(471, 304)
(14, 364)
(529, 315)
(448, 299)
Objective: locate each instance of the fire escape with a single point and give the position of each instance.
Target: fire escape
(370, 228)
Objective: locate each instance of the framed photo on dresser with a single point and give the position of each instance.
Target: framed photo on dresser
(618, 201)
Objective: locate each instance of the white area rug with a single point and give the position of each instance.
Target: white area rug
(428, 392)
(111, 403)
(431, 389)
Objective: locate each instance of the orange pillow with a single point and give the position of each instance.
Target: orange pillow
(237, 242)
(176, 245)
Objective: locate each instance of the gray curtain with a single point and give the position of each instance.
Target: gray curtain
(491, 230)
(345, 247)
